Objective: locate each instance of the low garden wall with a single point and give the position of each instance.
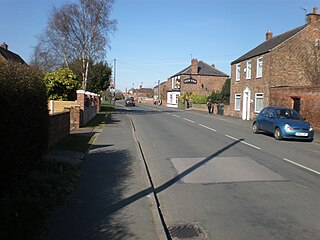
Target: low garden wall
(59, 127)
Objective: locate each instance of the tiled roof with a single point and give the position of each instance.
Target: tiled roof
(203, 69)
(10, 56)
(267, 46)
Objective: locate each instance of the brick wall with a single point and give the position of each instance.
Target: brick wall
(87, 107)
(59, 127)
(204, 86)
(282, 67)
(287, 67)
(309, 101)
(256, 85)
(59, 106)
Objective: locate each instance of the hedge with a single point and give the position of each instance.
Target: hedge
(24, 120)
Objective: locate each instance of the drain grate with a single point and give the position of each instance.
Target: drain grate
(186, 231)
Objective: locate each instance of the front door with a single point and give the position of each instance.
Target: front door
(246, 104)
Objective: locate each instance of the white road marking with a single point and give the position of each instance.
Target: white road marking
(243, 142)
(207, 127)
(299, 165)
(188, 120)
(175, 115)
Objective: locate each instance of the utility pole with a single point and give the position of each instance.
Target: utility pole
(114, 80)
(158, 92)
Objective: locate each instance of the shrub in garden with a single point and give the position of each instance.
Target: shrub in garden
(62, 84)
(24, 120)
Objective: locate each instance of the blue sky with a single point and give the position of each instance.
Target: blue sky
(157, 38)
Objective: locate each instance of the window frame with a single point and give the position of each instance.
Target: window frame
(238, 72)
(237, 96)
(255, 101)
(248, 69)
(259, 67)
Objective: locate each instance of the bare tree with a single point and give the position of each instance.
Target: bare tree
(79, 31)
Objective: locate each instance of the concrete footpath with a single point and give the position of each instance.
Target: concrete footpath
(114, 199)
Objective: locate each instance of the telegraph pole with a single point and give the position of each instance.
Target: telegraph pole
(158, 92)
(114, 80)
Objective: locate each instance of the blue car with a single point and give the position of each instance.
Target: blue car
(283, 123)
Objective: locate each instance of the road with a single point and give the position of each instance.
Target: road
(217, 180)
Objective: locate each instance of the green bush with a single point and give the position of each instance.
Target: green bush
(62, 84)
(199, 99)
(24, 120)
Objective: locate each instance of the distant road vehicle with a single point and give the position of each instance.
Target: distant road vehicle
(130, 102)
(283, 123)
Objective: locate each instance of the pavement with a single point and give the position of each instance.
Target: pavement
(114, 199)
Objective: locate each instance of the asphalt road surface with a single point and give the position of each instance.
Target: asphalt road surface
(217, 180)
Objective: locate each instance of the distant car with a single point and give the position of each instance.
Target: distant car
(283, 123)
(130, 102)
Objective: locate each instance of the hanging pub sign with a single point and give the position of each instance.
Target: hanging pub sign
(190, 81)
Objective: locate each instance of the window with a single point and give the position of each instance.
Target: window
(238, 70)
(248, 74)
(259, 67)
(237, 102)
(258, 105)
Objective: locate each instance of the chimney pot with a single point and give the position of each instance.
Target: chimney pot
(315, 10)
(269, 35)
(314, 16)
(4, 45)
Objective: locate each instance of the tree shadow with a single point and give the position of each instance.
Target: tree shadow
(99, 209)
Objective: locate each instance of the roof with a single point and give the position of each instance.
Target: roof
(11, 56)
(267, 46)
(203, 69)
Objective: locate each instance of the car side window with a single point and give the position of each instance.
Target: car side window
(270, 113)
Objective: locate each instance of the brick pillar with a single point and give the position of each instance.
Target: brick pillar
(98, 103)
(81, 98)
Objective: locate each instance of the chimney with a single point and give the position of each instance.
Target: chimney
(213, 65)
(4, 45)
(314, 16)
(194, 66)
(268, 35)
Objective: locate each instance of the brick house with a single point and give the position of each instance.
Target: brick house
(144, 95)
(6, 55)
(199, 78)
(274, 71)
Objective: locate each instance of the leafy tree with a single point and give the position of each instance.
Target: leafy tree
(62, 84)
(99, 76)
(222, 96)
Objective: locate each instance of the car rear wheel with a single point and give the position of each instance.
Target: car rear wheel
(255, 128)
(277, 134)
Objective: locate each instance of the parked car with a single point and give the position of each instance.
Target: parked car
(130, 102)
(283, 123)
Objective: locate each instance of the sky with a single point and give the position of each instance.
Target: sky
(158, 38)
